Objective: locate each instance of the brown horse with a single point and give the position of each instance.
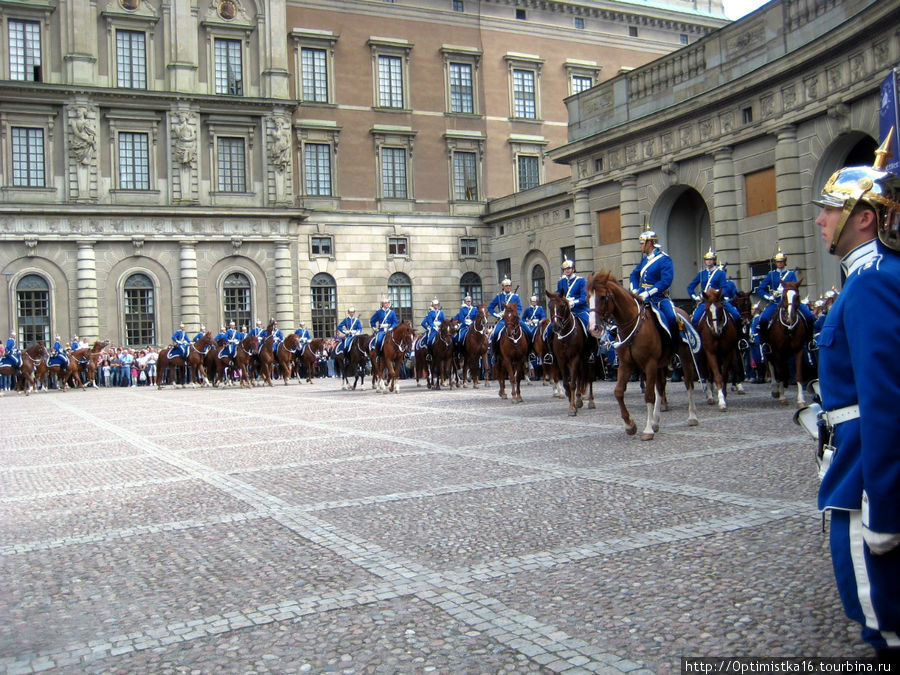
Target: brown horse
(397, 343)
(284, 355)
(512, 361)
(86, 357)
(247, 350)
(569, 345)
(719, 337)
(541, 349)
(31, 357)
(195, 361)
(316, 350)
(441, 351)
(641, 346)
(215, 363)
(788, 335)
(353, 360)
(266, 358)
(474, 348)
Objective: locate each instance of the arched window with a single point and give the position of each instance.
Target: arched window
(236, 292)
(539, 284)
(470, 284)
(400, 294)
(140, 311)
(33, 310)
(324, 305)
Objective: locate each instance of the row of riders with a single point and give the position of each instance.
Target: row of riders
(466, 342)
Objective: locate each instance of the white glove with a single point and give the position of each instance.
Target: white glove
(696, 297)
(880, 543)
(468, 322)
(643, 295)
(498, 315)
(571, 302)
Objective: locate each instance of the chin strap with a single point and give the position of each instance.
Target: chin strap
(864, 185)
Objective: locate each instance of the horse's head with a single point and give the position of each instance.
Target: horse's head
(100, 345)
(712, 296)
(206, 341)
(714, 310)
(600, 297)
(37, 351)
(511, 315)
(292, 341)
(559, 307)
(481, 317)
(249, 344)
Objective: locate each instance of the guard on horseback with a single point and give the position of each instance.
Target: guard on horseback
(348, 329)
(199, 334)
(465, 316)
(713, 276)
(383, 321)
(11, 356)
(232, 337)
(58, 356)
(258, 332)
(273, 330)
(181, 343)
(432, 322)
(303, 336)
(650, 281)
(770, 290)
(532, 317)
(498, 306)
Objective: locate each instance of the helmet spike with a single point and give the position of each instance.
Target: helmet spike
(883, 153)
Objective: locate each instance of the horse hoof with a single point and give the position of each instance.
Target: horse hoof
(502, 395)
(592, 406)
(631, 431)
(646, 437)
(579, 404)
(775, 394)
(723, 407)
(573, 413)
(710, 401)
(655, 428)
(693, 422)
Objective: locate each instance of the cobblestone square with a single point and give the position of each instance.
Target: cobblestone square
(310, 529)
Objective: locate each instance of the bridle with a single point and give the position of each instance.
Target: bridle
(561, 320)
(603, 317)
(787, 310)
(716, 325)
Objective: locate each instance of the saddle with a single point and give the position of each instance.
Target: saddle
(687, 332)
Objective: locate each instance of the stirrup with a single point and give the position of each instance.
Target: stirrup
(548, 359)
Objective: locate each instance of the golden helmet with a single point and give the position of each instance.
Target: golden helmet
(567, 263)
(780, 256)
(710, 254)
(648, 235)
(871, 185)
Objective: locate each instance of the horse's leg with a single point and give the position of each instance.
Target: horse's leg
(652, 397)
(691, 376)
(500, 374)
(624, 374)
(798, 370)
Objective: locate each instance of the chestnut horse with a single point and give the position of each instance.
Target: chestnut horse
(512, 360)
(247, 350)
(641, 346)
(316, 350)
(196, 361)
(86, 356)
(287, 351)
(441, 352)
(569, 347)
(474, 348)
(541, 349)
(788, 335)
(266, 356)
(719, 337)
(31, 357)
(397, 343)
(353, 360)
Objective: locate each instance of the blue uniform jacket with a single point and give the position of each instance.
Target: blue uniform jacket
(432, 321)
(653, 274)
(501, 300)
(533, 315)
(575, 288)
(180, 337)
(466, 315)
(772, 281)
(714, 278)
(383, 319)
(858, 364)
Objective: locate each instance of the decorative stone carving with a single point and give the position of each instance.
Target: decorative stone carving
(767, 106)
(82, 135)
(789, 97)
(31, 243)
(137, 244)
(236, 243)
(184, 129)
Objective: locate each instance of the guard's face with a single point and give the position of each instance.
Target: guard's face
(827, 221)
(646, 246)
(506, 288)
(568, 271)
(780, 263)
(710, 262)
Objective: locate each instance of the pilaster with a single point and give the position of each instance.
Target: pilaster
(190, 286)
(584, 245)
(284, 285)
(789, 198)
(88, 305)
(724, 226)
(631, 224)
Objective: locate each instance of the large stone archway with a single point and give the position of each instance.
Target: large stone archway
(681, 219)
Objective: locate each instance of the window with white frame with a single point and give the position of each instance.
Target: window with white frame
(134, 160)
(27, 157)
(236, 297)
(33, 310)
(398, 246)
(468, 247)
(393, 148)
(321, 245)
(581, 74)
(528, 172)
(323, 292)
(465, 176)
(470, 284)
(461, 73)
(231, 164)
(400, 294)
(314, 63)
(131, 59)
(229, 71)
(24, 50)
(524, 85)
(393, 173)
(139, 304)
(527, 158)
(390, 60)
(317, 169)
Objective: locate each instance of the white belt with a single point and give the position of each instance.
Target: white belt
(835, 417)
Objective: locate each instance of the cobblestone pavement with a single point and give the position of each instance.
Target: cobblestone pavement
(308, 529)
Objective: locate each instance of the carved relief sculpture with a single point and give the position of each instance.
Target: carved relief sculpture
(82, 144)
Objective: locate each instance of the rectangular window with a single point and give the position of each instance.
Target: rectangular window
(462, 99)
(465, 181)
(528, 166)
(229, 69)
(324, 310)
(314, 67)
(393, 173)
(24, 50)
(523, 94)
(684, 38)
(134, 161)
(139, 314)
(503, 269)
(232, 170)
(237, 306)
(317, 167)
(131, 59)
(27, 157)
(759, 189)
(609, 226)
(390, 81)
(579, 23)
(747, 115)
(580, 83)
(397, 245)
(321, 246)
(458, 6)
(758, 272)
(632, 31)
(520, 14)
(468, 247)
(33, 316)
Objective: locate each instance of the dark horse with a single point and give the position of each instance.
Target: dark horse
(284, 355)
(25, 373)
(512, 361)
(247, 350)
(569, 347)
(788, 335)
(474, 348)
(397, 343)
(195, 361)
(550, 369)
(266, 358)
(719, 336)
(86, 356)
(641, 347)
(316, 350)
(354, 359)
(441, 352)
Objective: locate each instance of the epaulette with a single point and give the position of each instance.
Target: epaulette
(873, 263)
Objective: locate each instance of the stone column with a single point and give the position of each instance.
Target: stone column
(724, 226)
(190, 287)
(584, 244)
(88, 306)
(790, 205)
(284, 286)
(631, 225)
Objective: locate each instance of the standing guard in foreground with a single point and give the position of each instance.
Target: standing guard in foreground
(859, 376)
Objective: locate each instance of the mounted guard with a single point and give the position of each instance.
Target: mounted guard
(770, 290)
(465, 316)
(180, 343)
(712, 276)
(11, 356)
(232, 337)
(348, 329)
(58, 356)
(383, 321)
(505, 297)
(432, 322)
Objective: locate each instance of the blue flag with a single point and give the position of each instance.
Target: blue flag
(889, 118)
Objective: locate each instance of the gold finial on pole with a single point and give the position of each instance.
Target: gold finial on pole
(883, 153)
